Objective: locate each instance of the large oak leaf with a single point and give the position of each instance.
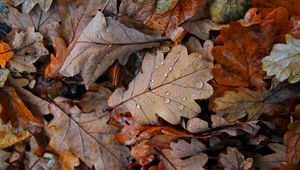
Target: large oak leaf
(85, 132)
(166, 87)
(102, 42)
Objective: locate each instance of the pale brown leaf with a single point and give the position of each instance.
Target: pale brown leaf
(102, 42)
(3, 157)
(199, 28)
(166, 87)
(233, 159)
(27, 5)
(137, 9)
(86, 134)
(183, 149)
(3, 76)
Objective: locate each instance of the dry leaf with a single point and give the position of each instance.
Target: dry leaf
(238, 60)
(3, 76)
(237, 104)
(233, 159)
(196, 125)
(102, 42)
(169, 15)
(86, 134)
(292, 5)
(170, 161)
(30, 47)
(284, 60)
(199, 28)
(5, 53)
(3, 157)
(137, 9)
(166, 87)
(194, 45)
(183, 149)
(273, 160)
(27, 5)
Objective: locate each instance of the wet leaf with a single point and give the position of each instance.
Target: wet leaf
(284, 60)
(103, 41)
(94, 143)
(138, 10)
(233, 159)
(169, 86)
(183, 149)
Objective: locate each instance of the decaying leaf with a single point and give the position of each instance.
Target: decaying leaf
(3, 76)
(199, 28)
(272, 160)
(183, 149)
(169, 15)
(5, 53)
(166, 87)
(138, 10)
(284, 60)
(233, 159)
(292, 5)
(3, 157)
(239, 58)
(237, 104)
(194, 45)
(27, 5)
(86, 134)
(102, 42)
(29, 48)
(171, 161)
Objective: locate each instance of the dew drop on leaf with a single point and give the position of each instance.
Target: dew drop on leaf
(167, 100)
(167, 93)
(199, 84)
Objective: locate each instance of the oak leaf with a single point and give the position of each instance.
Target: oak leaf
(27, 5)
(237, 104)
(183, 149)
(138, 10)
(3, 76)
(199, 28)
(166, 87)
(238, 60)
(6, 53)
(284, 60)
(292, 5)
(169, 15)
(233, 159)
(273, 160)
(102, 42)
(86, 134)
(29, 48)
(4, 155)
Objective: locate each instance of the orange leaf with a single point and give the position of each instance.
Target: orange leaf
(293, 6)
(239, 59)
(16, 112)
(169, 20)
(5, 53)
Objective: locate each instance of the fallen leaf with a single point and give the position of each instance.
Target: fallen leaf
(138, 10)
(166, 87)
(233, 159)
(284, 61)
(242, 102)
(170, 161)
(16, 112)
(3, 76)
(4, 155)
(273, 160)
(238, 60)
(93, 143)
(199, 28)
(103, 41)
(292, 5)
(183, 149)
(6, 53)
(194, 45)
(29, 48)
(27, 5)
(196, 125)
(169, 15)
(225, 11)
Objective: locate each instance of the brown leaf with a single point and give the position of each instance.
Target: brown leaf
(194, 45)
(169, 15)
(86, 134)
(272, 160)
(3, 157)
(5, 53)
(238, 60)
(30, 47)
(102, 42)
(183, 149)
(27, 5)
(166, 87)
(233, 159)
(3, 76)
(137, 9)
(199, 28)
(292, 5)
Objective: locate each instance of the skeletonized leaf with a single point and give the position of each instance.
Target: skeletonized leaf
(102, 42)
(166, 87)
(27, 5)
(86, 134)
(233, 159)
(29, 48)
(284, 60)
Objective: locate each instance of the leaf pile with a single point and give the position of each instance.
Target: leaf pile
(149, 84)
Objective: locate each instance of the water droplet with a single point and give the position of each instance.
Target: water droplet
(156, 93)
(151, 81)
(167, 93)
(199, 84)
(198, 92)
(156, 67)
(167, 100)
(138, 106)
(145, 101)
(152, 100)
(171, 68)
(183, 98)
(162, 63)
(169, 61)
(166, 74)
(193, 95)
(180, 107)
